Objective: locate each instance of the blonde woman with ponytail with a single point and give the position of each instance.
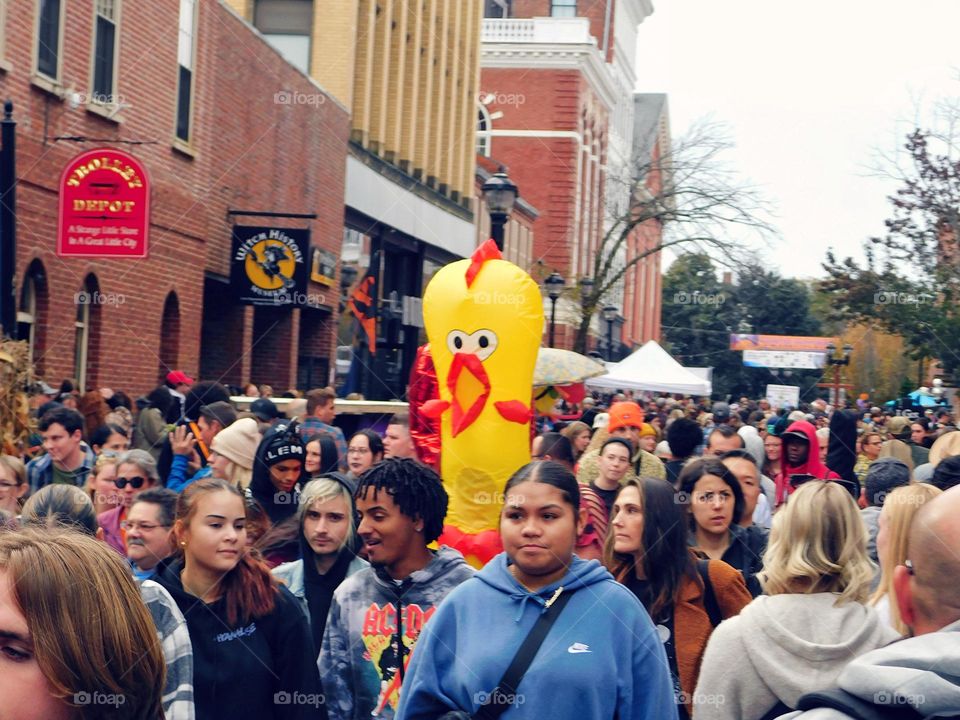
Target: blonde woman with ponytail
(811, 622)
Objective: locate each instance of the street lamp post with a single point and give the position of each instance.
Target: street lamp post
(610, 313)
(554, 283)
(837, 363)
(500, 194)
(586, 290)
(8, 221)
(586, 293)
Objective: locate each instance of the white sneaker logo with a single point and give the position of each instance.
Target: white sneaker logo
(578, 648)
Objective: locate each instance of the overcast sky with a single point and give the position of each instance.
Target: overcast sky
(810, 91)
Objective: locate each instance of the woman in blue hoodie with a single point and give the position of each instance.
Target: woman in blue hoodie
(602, 657)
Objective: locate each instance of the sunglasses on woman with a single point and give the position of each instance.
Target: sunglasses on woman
(135, 482)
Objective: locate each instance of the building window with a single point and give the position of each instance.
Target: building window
(49, 37)
(496, 9)
(82, 337)
(185, 59)
(3, 28)
(286, 25)
(27, 316)
(483, 128)
(170, 335)
(563, 8)
(105, 52)
(32, 313)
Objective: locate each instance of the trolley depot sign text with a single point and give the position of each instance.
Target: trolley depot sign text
(104, 206)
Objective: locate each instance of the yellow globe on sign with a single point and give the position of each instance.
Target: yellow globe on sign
(270, 265)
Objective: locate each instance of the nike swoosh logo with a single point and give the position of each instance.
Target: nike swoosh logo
(578, 648)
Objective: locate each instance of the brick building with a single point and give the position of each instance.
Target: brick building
(408, 72)
(557, 107)
(204, 104)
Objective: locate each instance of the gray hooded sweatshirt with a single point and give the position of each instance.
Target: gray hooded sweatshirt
(781, 647)
(921, 672)
(372, 628)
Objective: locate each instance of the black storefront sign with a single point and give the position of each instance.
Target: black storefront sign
(269, 266)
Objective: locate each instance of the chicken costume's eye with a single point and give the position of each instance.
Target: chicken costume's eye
(456, 339)
(481, 343)
(486, 343)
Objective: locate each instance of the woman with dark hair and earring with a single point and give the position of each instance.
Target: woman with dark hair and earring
(686, 596)
(714, 499)
(252, 649)
(602, 657)
(322, 457)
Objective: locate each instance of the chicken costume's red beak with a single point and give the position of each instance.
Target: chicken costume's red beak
(469, 387)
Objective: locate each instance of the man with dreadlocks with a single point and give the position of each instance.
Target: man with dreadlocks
(378, 613)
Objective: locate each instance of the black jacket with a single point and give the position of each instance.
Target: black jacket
(746, 554)
(842, 450)
(264, 668)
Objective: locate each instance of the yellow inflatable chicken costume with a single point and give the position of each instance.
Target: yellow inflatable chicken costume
(484, 321)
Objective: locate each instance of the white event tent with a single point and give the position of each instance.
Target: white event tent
(651, 368)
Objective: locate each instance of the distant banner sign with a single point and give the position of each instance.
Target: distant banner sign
(780, 342)
(781, 396)
(104, 206)
(269, 265)
(780, 359)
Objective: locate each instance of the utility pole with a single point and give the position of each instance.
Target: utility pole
(8, 221)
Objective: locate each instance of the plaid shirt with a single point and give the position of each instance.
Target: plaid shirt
(177, 651)
(40, 470)
(314, 426)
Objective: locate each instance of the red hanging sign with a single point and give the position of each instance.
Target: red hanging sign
(104, 206)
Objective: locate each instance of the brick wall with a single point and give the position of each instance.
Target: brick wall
(544, 167)
(252, 148)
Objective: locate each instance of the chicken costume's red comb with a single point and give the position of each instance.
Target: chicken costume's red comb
(487, 251)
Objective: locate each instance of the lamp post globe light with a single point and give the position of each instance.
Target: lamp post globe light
(586, 290)
(610, 313)
(499, 193)
(554, 284)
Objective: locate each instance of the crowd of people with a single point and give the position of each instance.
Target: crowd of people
(661, 558)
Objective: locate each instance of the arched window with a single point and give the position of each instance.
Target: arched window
(32, 311)
(483, 131)
(87, 332)
(170, 335)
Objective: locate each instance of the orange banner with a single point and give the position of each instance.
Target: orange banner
(780, 342)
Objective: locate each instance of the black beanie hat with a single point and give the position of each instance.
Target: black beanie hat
(284, 443)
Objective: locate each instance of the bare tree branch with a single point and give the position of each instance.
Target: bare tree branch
(691, 197)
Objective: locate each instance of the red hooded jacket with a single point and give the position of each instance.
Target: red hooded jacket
(812, 465)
